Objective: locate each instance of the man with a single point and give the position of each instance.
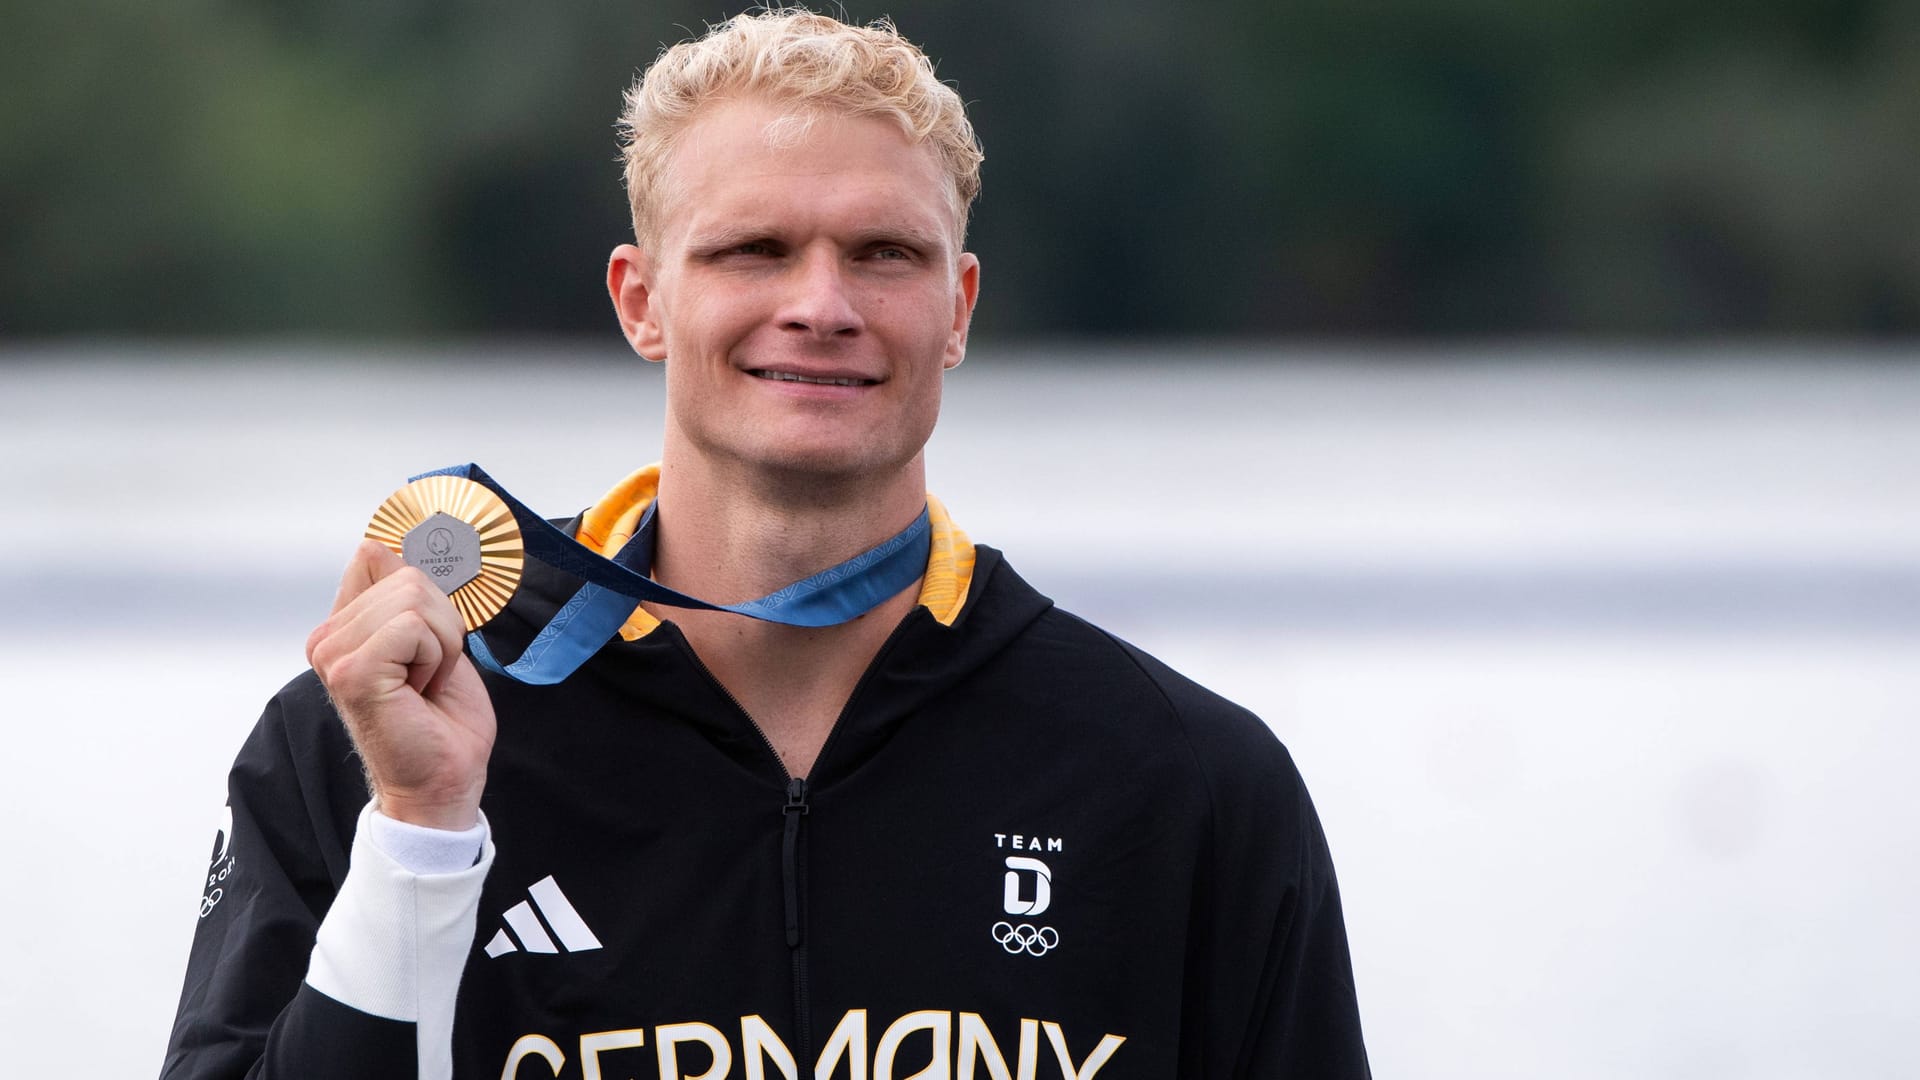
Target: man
(960, 834)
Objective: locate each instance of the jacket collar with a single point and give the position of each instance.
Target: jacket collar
(620, 517)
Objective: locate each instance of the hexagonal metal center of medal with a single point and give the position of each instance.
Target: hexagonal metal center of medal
(446, 548)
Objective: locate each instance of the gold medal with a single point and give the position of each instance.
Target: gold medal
(461, 535)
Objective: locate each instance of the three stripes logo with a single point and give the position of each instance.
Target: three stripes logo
(554, 912)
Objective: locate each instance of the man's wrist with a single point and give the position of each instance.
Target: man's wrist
(454, 815)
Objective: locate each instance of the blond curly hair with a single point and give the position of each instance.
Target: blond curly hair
(813, 62)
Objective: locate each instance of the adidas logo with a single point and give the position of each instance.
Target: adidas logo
(558, 916)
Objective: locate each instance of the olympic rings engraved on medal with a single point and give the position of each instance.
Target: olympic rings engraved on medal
(1026, 938)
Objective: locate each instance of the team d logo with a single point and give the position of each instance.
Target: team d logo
(1027, 892)
(1029, 886)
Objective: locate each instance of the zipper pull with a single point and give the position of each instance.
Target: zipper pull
(795, 808)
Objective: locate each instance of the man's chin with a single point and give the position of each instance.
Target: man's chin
(826, 470)
(825, 465)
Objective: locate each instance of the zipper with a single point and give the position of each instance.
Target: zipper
(795, 809)
(792, 811)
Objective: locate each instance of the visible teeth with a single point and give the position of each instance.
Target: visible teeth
(788, 376)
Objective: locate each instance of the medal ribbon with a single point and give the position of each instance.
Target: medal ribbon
(613, 586)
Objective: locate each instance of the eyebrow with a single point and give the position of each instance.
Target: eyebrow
(912, 236)
(725, 236)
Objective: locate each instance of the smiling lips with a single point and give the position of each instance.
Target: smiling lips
(817, 380)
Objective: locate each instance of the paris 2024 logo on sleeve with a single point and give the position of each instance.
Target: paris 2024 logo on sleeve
(220, 866)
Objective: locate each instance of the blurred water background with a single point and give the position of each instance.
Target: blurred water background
(1600, 664)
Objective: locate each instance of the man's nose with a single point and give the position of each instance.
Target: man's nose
(818, 300)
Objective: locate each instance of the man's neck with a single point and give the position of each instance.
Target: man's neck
(729, 538)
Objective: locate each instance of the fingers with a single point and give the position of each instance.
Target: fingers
(393, 624)
(365, 665)
(372, 561)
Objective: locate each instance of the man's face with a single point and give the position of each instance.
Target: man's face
(807, 293)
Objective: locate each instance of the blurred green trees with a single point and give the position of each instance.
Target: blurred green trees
(1384, 167)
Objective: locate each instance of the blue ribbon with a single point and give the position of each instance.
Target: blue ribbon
(595, 613)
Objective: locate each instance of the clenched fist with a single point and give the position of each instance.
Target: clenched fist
(390, 657)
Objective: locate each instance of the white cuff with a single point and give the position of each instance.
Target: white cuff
(395, 942)
(423, 850)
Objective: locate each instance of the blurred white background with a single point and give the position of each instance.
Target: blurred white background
(1602, 666)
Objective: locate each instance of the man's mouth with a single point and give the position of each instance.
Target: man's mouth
(818, 380)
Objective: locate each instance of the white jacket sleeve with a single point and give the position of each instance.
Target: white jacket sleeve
(395, 941)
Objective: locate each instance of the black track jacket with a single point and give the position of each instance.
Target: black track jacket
(1027, 851)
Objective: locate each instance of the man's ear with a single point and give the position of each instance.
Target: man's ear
(966, 292)
(629, 286)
